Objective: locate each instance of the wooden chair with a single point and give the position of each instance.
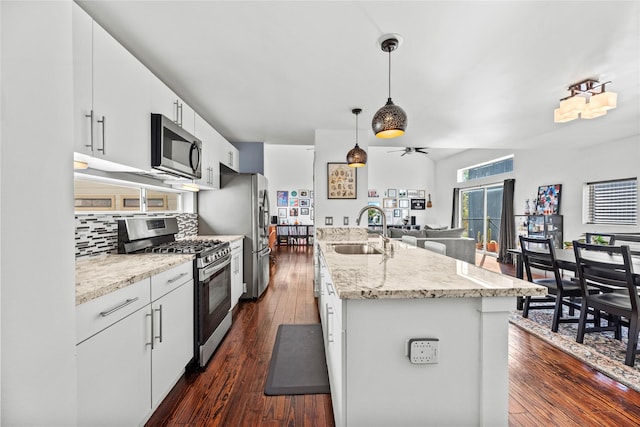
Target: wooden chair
(609, 268)
(631, 240)
(540, 254)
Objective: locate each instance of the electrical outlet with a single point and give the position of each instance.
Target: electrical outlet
(423, 350)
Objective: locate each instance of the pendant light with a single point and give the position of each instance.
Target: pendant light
(357, 157)
(389, 121)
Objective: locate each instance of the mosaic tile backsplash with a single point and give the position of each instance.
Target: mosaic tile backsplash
(98, 233)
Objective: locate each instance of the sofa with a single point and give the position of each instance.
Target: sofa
(462, 248)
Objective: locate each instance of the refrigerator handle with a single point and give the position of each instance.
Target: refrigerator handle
(263, 252)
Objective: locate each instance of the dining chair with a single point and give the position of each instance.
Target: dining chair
(610, 269)
(631, 240)
(540, 254)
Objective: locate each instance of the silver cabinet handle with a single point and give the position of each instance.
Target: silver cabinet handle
(118, 307)
(176, 120)
(180, 108)
(152, 333)
(159, 336)
(330, 290)
(90, 115)
(177, 277)
(104, 142)
(329, 331)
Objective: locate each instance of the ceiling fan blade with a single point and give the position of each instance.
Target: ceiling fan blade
(405, 153)
(394, 151)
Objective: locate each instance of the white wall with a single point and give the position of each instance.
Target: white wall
(412, 172)
(571, 168)
(36, 215)
(332, 146)
(288, 167)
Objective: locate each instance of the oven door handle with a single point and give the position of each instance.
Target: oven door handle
(213, 269)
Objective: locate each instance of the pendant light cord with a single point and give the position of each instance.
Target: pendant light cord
(356, 128)
(389, 73)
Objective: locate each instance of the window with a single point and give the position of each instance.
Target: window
(99, 196)
(483, 170)
(611, 202)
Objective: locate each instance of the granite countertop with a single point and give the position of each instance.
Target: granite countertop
(412, 272)
(100, 275)
(229, 238)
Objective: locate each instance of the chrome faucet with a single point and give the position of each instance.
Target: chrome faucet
(385, 239)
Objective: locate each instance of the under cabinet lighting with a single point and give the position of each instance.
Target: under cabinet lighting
(77, 164)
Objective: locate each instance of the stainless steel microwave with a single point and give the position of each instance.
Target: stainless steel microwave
(173, 149)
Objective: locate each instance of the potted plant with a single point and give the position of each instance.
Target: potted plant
(479, 241)
(492, 246)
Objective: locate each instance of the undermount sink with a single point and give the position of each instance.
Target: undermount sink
(356, 249)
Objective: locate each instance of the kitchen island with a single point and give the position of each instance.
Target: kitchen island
(372, 305)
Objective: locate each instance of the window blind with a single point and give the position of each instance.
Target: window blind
(612, 202)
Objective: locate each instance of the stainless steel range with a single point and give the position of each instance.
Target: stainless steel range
(211, 274)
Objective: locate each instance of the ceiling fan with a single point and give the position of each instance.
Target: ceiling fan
(411, 150)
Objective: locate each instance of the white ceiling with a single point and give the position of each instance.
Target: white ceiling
(469, 74)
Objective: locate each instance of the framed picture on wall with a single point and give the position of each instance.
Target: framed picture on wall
(389, 203)
(548, 199)
(412, 193)
(397, 213)
(421, 194)
(304, 211)
(341, 181)
(403, 203)
(293, 212)
(392, 192)
(417, 204)
(303, 193)
(282, 212)
(293, 203)
(304, 203)
(283, 198)
(402, 193)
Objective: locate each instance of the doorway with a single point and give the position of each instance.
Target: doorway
(480, 213)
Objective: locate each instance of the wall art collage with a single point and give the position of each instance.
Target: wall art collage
(294, 206)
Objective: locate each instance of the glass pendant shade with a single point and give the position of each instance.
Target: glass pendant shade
(575, 103)
(389, 121)
(559, 117)
(590, 113)
(357, 157)
(603, 101)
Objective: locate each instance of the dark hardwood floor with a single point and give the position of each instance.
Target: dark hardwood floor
(547, 386)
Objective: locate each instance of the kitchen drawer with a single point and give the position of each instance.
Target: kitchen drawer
(165, 282)
(100, 313)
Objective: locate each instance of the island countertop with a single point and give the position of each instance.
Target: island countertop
(99, 275)
(411, 272)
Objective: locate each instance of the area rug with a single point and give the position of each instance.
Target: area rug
(298, 364)
(600, 350)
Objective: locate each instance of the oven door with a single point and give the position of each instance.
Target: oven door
(214, 296)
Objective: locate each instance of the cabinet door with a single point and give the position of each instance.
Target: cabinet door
(114, 373)
(82, 80)
(210, 154)
(334, 349)
(229, 155)
(121, 103)
(236, 272)
(173, 340)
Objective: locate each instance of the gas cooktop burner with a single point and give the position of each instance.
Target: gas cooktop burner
(189, 246)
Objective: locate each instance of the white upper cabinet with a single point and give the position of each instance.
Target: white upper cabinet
(165, 101)
(229, 155)
(111, 97)
(210, 154)
(82, 81)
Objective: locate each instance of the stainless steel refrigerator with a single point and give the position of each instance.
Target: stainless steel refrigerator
(241, 206)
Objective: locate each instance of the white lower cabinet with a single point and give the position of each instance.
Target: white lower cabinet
(173, 342)
(128, 363)
(114, 374)
(331, 316)
(237, 277)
